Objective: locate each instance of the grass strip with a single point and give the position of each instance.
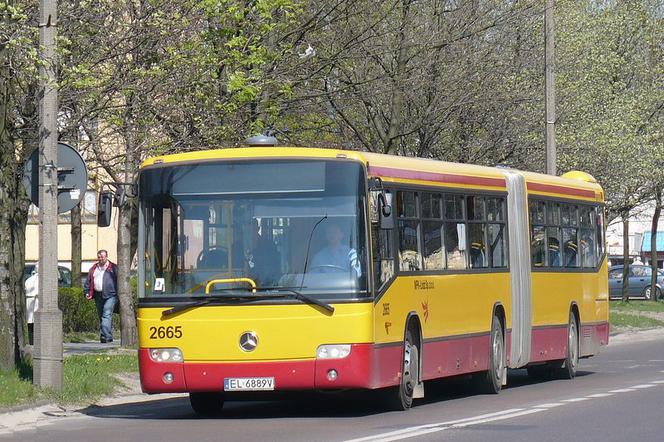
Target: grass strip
(618, 319)
(638, 306)
(86, 379)
(16, 389)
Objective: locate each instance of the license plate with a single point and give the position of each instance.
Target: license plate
(248, 384)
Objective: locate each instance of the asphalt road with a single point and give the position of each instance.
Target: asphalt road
(617, 396)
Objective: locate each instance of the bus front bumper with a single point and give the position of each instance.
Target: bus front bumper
(357, 370)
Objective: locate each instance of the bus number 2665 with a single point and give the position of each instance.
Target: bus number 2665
(166, 332)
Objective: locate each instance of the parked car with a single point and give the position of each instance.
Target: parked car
(64, 275)
(639, 281)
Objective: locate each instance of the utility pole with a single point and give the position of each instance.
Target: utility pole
(48, 318)
(550, 88)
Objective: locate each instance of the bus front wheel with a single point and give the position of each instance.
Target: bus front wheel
(401, 398)
(206, 403)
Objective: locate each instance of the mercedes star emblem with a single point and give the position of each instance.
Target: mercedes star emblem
(248, 341)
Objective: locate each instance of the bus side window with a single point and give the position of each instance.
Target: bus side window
(410, 256)
(383, 256)
(570, 247)
(599, 233)
(455, 232)
(537, 252)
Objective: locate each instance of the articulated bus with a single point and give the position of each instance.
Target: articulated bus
(276, 269)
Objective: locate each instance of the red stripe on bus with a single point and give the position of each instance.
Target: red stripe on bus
(436, 177)
(550, 188)
(548, 344)
(455, 356)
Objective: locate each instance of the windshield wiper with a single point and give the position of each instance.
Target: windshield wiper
(208, 300)
(291, 293)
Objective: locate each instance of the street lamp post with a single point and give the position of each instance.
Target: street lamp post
(550, 88)
(48, 318)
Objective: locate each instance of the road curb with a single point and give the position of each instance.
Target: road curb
(31, 405)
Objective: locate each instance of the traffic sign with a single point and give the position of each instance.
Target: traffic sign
(72, 177)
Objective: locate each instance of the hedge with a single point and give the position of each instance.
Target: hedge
(79, 314)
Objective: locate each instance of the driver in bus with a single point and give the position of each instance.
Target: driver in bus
(336, 256)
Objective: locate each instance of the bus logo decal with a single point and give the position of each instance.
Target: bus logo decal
(248, 341)
(425, 308)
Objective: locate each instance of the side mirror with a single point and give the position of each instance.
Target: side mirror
(385, 210)
(105, 209)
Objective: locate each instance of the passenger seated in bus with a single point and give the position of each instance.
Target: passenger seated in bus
(570, 254)
(335, 256)
(263, 259)
(477, 255)
(587, 250)
(554, 252)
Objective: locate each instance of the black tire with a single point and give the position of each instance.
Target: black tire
(646, 293)
(207, 403)
(571, 362)
(491, 382)
(401, 398)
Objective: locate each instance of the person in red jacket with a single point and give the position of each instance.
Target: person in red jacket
(101, 285)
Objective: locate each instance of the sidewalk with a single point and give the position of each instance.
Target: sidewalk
(81, 348)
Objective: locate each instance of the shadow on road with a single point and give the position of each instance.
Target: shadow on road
(349, 404)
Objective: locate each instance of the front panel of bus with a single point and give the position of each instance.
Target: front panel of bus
(241, 263)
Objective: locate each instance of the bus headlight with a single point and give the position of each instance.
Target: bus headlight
(333, 351)
(166, 355)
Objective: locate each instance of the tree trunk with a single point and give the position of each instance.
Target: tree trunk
(129, 335)
(127, 313)
(7, 180)
(653, 244)
(20, 219)
(625, 285)
(76, 241)
(7, 295)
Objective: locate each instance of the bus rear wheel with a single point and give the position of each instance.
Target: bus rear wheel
(491, 382)
(206, 403)
(401, 398)
(568, 368)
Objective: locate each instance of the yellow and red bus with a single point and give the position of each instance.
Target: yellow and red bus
(293, 269)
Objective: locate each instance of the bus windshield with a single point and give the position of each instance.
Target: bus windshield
(282, 224)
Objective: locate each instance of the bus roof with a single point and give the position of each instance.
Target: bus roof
(410, 170)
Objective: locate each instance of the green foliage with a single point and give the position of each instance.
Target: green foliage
(610, 65)
(79, 315)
